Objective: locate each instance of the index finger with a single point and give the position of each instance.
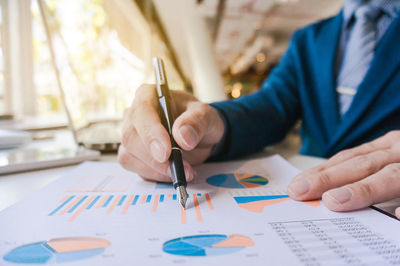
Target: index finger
(312, 186)
(145, 117)
(381, 143)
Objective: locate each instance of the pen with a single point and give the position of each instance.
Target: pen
(175, 159)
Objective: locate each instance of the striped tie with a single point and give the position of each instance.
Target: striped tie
(358, 54)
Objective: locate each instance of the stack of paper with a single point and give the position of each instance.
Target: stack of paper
(237, 213)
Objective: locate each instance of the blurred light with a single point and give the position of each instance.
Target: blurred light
(228, 89)
(235, 93)
(260, 57)
(237, 86)
(236, 89)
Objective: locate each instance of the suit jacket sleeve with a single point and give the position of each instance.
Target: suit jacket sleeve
(263, 118)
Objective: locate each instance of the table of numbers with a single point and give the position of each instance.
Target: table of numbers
(340, 241)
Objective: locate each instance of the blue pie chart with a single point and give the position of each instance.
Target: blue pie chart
(206, 245)
(57, 250)
(237, 180)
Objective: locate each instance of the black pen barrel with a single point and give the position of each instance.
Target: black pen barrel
(177, 169)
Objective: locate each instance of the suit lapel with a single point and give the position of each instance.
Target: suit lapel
(326, 45)
(383, 65)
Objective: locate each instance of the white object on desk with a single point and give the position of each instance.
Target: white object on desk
(20, 160)
(13, 138)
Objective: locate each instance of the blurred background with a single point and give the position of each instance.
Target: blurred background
(217, 49)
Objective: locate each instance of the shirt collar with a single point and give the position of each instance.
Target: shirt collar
(390, 8)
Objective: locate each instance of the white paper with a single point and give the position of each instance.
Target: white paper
(100, 214)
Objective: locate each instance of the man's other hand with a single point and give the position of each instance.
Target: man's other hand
(354, 178)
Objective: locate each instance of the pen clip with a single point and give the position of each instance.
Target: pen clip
(159, 70)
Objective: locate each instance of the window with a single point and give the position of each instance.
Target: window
(103, 52)
(2, 89)
(4, 92)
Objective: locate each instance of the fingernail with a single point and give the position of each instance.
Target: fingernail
(188, 175)
(397, 212)
(299, 187)
(341, 195)
(189, 172)
(157, 151)
(169, 173)
(189, 135)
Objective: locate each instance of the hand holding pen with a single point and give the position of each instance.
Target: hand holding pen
(146, 145)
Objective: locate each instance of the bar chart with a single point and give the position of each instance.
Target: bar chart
(72, 206)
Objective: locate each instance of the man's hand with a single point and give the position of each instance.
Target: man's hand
(146, 146)
(354, 178)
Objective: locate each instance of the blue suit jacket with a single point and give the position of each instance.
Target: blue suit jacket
(303, 86)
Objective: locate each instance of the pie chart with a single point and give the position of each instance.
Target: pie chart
(57, 250)
(237, 180)
(207, 245)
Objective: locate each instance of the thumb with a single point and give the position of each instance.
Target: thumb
(193, 126)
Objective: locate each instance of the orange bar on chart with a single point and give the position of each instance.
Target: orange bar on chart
(183, 216)
(197, 207)
(71, 205)
(117, 199)
(76, 214)
(208, 198)
(313, 203)
(143, 199)
(128, 203)
(103, 201)
(64, 199)
(157, 199)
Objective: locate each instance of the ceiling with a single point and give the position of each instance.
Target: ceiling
(256, 32)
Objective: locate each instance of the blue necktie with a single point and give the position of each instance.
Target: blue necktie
(358, 54)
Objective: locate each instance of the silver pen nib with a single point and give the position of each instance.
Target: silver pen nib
(182, 195)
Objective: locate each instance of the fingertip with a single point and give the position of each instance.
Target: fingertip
(331, 203)
(159, 144)
(397, 213)
(190, 173)
(188, 138)
(339, 199)
(158, 151)
(192, 176)
(299, 188)
(162, 179)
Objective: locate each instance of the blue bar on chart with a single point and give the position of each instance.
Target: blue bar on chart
(135, 200)
(77, 205)
(122, 200)
(108, 201)
(65, 202)
(148, 198)
(93, 202)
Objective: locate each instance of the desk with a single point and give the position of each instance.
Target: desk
(16, 187)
